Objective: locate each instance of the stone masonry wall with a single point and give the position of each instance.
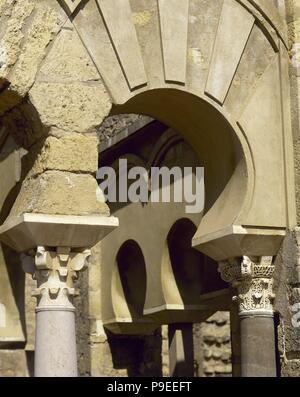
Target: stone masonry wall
(212, 347)
(113, 125)
(287, 281)
(293, 19)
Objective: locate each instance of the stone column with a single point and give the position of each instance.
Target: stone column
(235, 334)
(252, 278)
(55, 346)
(181, 350)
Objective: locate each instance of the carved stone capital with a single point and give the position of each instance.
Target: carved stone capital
(55, 272)
(253, 279)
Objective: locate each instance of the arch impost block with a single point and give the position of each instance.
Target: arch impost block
(28, 231)
(208, 303)
(131, 326)
(236, 241)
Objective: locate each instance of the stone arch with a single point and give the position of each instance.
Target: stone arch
(202, 72)
(227, 62)
(122, 301)
(177, 61)
(212, 137)
(192, 288)
(142, 223)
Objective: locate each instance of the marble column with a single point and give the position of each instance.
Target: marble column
(252, 277)
(55, 346)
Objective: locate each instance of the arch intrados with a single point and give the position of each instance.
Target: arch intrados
(130, 267)
(219, 143)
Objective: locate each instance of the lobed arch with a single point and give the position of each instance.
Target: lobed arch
(212, 137)
(166, 299)
(128, 291)
(193, 273)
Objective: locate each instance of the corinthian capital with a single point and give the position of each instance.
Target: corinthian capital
(253, 279)
(55, 272)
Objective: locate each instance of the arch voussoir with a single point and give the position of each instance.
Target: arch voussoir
(217, 73)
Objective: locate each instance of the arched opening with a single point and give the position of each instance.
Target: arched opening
(132, 272)
(163, 230)
(221, 149)
(195, 274)
(127, 342)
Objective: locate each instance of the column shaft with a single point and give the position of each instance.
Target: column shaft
(55, 344)
(55, 348)
(258, 349)
(252, 278)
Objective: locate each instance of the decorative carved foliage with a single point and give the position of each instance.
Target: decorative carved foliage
(55, 272)
(253, 279)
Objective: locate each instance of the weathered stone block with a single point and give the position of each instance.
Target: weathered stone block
(29, 27)
(13, 363)
(73, 153)
(291, 340)
(60, 193)
(68, 60)
(45, 25)
(76, 107)
(290, 369)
